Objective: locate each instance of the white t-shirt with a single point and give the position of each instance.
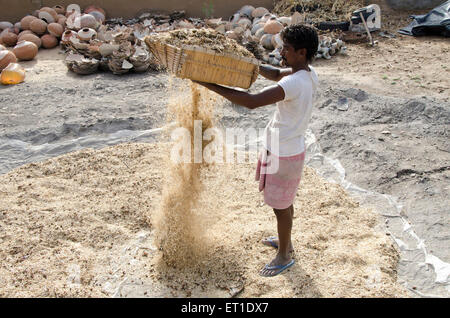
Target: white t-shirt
(292, 115)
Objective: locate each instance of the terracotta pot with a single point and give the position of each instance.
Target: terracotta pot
(95, 8)
(25, 50)
(247, 10)
(259, 12)
(6, 57)
(49, 41)
(9, 38)
(98, 16)
(47, 17)
(31, 38)
(62, 20)
(23, 33)
(5, 25)
(66, 36)
(85, 21)
(38, 26)
(53, 13)
(26, 21)
(266, 41)
(273, 27)
(59, 9)
(55, 29)
(86, 34)
(12, 74)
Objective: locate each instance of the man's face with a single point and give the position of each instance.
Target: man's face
(289, 55)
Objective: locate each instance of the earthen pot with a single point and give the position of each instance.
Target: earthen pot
(25, 50)
(86, 34)
(5, 25)
(6, 57)
(31, 38)
(67, 35)
(47, 17)
(59, 9)
(273, 27)
(94, 8)
(49, 41)
(55, 29)
(62, 20)
(26, 21)
(38, 26)
(9, 38)
(53, 13)
(259, 12)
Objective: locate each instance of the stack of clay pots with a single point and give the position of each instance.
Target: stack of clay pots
(259, 30)
(93, 46)
(43, 28)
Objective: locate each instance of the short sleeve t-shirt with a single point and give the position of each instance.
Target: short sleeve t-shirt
(292, 115)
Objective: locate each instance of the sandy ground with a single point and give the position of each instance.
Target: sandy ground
(81, 225)
(83, 220)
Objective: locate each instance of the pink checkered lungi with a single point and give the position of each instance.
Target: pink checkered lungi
(280, 187)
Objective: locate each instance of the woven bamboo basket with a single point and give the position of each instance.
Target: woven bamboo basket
(205, 65)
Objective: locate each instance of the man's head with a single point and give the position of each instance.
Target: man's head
(300, 44)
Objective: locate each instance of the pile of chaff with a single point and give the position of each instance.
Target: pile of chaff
(316, 11)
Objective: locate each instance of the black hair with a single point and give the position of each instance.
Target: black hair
(302, 36)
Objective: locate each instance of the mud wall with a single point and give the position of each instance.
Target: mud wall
(14, 10)
(414, 4)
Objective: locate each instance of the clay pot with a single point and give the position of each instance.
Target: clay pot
(6, 57)
(99, 17)
(273, 27)
(38, 26)
(9, 38)
(26, 21)
(277, 41)
(86, 34)
(259, 12)
(72, 8)
(5, 25)
(85, 21)
(12, 74)
(66, 36)
(62, 20)
(94, 8)
(266, 41)
(18, 26)
(31, 38)
(256, 27)
(59, 9)
(49, 41)
(259, 33)
(25, 50)
(52, 12)
(246, 10)
(55, 29)
(286, 21)
(47, 17)
(23, 33)
(245, 23)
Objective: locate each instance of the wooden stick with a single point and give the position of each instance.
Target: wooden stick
(367, 29)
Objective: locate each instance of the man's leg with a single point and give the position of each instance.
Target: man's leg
(284, 226)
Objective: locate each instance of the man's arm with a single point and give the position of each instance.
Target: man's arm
(265, 97)
(274, 73)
